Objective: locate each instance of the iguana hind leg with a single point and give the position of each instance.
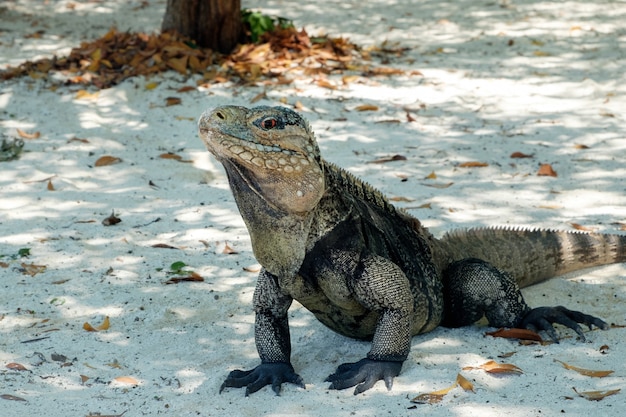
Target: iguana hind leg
(474, 288)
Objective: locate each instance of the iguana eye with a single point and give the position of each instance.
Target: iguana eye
(269, 123)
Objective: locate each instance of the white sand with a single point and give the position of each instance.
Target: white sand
(498, 77)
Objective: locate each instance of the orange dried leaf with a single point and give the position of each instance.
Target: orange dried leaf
(172, 101)
(107, 160)
(186, 89)
(545, 170)
(431, 176)
(596, 395)
(494, 367)
(128, 380)
(326, 84)
(581, 227)
(178, 64)
(83, 379)
(401, 199)
(104, 326)
(16, 366)
(523, 334)
(520, 155)
(464, 383)
(164, 246)
(228, 250)
(586, 372)
(170, 156)
(50, 187)
(473, 164)
(367, 107)
(86, 95)
(579, 146)
(26, 135)
(151, 85)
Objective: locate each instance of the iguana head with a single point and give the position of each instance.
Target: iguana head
(272, 149)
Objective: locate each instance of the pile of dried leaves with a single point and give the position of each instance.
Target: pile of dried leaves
(117, 56)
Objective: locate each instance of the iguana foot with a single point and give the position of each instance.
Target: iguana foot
(542, 318)
(364, 374)
(264, 374)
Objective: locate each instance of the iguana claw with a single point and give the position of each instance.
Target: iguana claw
(542, 318)
(364, 374)
(264, 374)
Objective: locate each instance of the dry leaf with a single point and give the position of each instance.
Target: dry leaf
(580, 227)
(4, 265)
(438, 185)
(596, 395)
(50, 187)
(431, 176)
(494, 367)
(586, 372)
(172, 101)
(83, 379)
(11, 397)
(326, 84)
(151, 86)
(401, 199)
(163, 246)
(604, 349)
(388, 159)
(228, 250)
(473, 164)
(523, 334)
(104, 326)
(174, 156)
(129, 380)
(16, 366)
(75, 139)
(437, 396)
(26, 135)
(520, 155)
(252, 268)
(111, 220)
(32, 269)
(366, 107)
(186, 89)
(259, 97)
(545, 170)
(86, 95)
(192, 277)
(579, 146)
(107, 160)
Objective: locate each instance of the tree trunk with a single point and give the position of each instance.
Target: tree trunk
(214, 24)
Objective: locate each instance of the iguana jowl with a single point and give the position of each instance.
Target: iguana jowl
(364, 268)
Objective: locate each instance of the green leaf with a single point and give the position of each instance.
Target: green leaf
(176, 267)
(24, 252)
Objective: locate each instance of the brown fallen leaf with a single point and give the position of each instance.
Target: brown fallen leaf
(26, 135)
(494, 367)
(401, 199)
(473, 164)
(32, 269)
(107, 160)
(604, 349)
(163, 246)
(388, 159)
(579, 146)
(252, 268)
(520, 155)
(16, 366)
(11, 397)
(523, 334)
(439, 185)
(192, 277)
(586, 372)
(50, 186)
(437, 396)
(172, 101)
(596, 395)
(546, 170)
(86, 95)
(174, 156)
(366, 107)
(431, 176)
(228, 250)
(111, 220)
(581, 227)
(104, 326)
(4, 265)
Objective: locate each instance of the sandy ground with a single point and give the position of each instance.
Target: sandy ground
(498, 77)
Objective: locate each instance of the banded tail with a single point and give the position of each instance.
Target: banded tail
(532, 256)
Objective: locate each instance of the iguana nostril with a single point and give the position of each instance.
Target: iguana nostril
(220, 115)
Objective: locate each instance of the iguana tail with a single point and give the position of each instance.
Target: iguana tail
(533, 256)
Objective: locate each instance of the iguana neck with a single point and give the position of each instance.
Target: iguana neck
(279, 238)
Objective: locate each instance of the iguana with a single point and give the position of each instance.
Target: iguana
(365, 268)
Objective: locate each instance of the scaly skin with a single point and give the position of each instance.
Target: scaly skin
(364, 268)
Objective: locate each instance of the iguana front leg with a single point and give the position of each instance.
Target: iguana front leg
(271, 335)
(380, 285)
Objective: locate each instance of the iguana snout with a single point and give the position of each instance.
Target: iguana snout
(272, 148)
